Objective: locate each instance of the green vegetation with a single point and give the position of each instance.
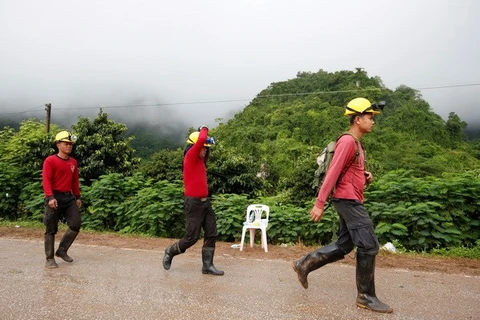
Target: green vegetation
(425, 196)
(462, 252)
(150, 138)
(23, 224)
(101, 148)
(426, 213)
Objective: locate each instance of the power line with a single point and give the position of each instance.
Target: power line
(242, 100)
(450, 86)
(154, 105)
(20, 112)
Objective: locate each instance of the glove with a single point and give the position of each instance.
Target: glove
(210, 141)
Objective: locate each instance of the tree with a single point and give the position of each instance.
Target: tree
(150, 138)
(299, 188)
(456, 129)
(230, 171)
(28, 147)
(21, 158)
(101, 148)
(164, 165)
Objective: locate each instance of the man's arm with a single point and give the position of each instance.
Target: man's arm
(194, 151)
(47, 173)
(76, 181)
(76, 185)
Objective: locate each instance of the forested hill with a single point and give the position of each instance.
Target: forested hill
(282, 130)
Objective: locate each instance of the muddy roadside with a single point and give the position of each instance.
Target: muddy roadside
(447, 265)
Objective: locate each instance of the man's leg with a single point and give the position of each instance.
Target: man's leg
(210, 234)
(333, 252)
(363, 236)
(365, 275)
(170, 252)
(74, 222)
(193, 224)
(50, 220)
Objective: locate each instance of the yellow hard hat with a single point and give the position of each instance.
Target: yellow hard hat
(193, 137)
(65, 136)
(362, 105)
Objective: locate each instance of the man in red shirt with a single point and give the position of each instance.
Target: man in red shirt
(61, 187)
(198, 208)
(347, 177)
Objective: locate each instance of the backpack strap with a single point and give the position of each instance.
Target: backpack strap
(331, 146)
(357, 154)
(357, 143)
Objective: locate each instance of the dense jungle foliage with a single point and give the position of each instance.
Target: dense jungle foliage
(426, 193)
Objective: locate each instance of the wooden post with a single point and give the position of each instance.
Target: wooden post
(48, 108)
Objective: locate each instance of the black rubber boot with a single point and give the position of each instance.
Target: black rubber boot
(65, 243)
(366, 297)
(49, 248)
(207, 258)
(170, 252)
(315, 260)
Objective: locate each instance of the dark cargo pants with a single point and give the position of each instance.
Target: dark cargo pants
(198, 215)
(67, 211)
(356, 227)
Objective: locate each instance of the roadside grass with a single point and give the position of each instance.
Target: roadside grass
(461, 252)
(22, 223)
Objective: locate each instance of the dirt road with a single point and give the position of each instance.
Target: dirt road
(128, 282)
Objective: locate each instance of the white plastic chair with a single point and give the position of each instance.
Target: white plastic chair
(256, 218)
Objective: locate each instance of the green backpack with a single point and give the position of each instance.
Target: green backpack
(325, 158)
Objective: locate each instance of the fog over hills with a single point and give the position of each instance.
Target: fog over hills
(181, 64)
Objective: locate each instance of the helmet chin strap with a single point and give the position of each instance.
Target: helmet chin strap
(351, 109)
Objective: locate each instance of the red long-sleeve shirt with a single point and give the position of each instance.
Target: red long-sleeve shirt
(60, 175)
(346, 177)
(194, 169)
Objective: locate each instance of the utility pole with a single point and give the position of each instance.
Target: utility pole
(48, 108)
(359, 70)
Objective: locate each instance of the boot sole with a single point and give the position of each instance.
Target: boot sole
(304, 284)
(165, 261)
(213, 274)
(375, 310)
(63, 258)
(51, 266)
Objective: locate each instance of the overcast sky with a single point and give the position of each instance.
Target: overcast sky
(87, 54)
